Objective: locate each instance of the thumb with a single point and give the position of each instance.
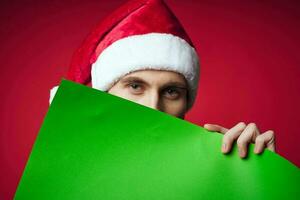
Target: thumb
(215, 127)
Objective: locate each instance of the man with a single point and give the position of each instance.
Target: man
(142, 53)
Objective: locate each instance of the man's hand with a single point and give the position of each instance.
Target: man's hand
(244, 134)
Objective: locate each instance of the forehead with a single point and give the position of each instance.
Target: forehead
(160, 77)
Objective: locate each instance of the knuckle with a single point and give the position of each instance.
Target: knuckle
(240, 143)
(259, 139)
(242, 124)
(271, 132)
(252, 125)
(227, 137)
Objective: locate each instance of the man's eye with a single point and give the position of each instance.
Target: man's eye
(171, 93)
(135, 88)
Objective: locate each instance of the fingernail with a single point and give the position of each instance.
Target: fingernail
(242, 153)
(256, 149)
(224, 147)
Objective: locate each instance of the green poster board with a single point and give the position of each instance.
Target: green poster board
(93, 145)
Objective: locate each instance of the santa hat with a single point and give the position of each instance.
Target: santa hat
(141, 34)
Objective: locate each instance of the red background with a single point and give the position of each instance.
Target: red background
(249, 67)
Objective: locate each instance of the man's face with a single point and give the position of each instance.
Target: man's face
(161, 90)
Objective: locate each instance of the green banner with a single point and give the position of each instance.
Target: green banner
(93, 145)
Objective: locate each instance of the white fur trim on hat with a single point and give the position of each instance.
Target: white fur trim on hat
(52, 93)
(159, 51)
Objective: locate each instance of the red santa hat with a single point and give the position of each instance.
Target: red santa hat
(141, 34)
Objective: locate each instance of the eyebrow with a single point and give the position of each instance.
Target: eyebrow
(131, 79)
(176, 84)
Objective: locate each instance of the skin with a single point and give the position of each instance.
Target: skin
(167, 91)
(161, 90)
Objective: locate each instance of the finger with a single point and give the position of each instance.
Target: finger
(266, 139)
(249, 135)
(231, 135)
(259, 144)
(270, 138)
(215, 127)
